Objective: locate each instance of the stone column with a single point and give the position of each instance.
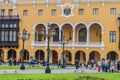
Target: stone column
(46, 37)
(31, 55)
(5, 57)
(73, 58)
(59, 57)
(87, 58)
(73, 38)
(45, 56)
(118, 57)
(59, 34)
(88, 35)
(18, 55)
(102, 58)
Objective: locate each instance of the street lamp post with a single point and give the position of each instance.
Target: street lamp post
(63, 44)
(47, 70)
(25, 36)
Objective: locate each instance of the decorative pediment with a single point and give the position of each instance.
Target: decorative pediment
(67, 9)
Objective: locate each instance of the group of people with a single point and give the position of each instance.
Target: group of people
(62, 64)
(91, 64)
(104, 65)
(15, 61)
(108, 66)
(34, 62)
(1, 61)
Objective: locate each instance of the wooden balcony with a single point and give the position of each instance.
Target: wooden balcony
(9, 44)
(9, 17)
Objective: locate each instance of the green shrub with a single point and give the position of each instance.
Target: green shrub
(89, 78)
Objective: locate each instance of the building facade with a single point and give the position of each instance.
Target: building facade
(91, 28)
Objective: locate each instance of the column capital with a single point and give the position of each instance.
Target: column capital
(118, 57)
(32, 55)
(73, 55)
(87, 56)
(102, 57)
(18, 54)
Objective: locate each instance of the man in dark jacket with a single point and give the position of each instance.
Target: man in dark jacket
(118, 65)
(77, 64)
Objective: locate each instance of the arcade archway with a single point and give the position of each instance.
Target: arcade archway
(67, 56)
(94, 55)
(53, 57)
(80, 55)
(39, 54)
(26, 55)
(112, 56)
(95, 33)
(11, 54)
(2, 54)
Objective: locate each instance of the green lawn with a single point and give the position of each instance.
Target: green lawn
(26, 68)
(18, 68)
(107, 76)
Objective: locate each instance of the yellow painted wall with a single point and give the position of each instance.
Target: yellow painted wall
(108, 21)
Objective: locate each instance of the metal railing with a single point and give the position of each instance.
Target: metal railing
(70, 44)
(9, 17)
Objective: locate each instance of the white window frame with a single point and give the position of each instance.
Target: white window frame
(40, 12)
(113, 11)
(112, 36)
(81, 12)
(2, 12)
(95, 11)
(25, 12)
(10, 12)
(14, 35)
(10, 36)
(53, 12)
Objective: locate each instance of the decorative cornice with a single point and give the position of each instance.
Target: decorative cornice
(57, 2)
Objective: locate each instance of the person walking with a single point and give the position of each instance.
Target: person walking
(106, 66)
(10, 62)
(76, 65)
(59, 64)
(99, 64)
(14, 61)
(112, 66)
(103, 66)
(64, 62)
(118, 66)
(0, 61)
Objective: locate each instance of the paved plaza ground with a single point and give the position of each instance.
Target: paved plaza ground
(54, 70)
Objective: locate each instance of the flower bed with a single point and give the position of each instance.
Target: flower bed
(89, 78)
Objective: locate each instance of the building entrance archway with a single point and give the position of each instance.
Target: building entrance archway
(1, 54)
(80, 55)
(95, 33)
(112, 56)
(94, 55)
(67, 56)
(39, 54)
(53, 57)
(26, 55)
(11, 54)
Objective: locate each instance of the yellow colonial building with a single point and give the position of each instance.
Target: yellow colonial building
(90, 29)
